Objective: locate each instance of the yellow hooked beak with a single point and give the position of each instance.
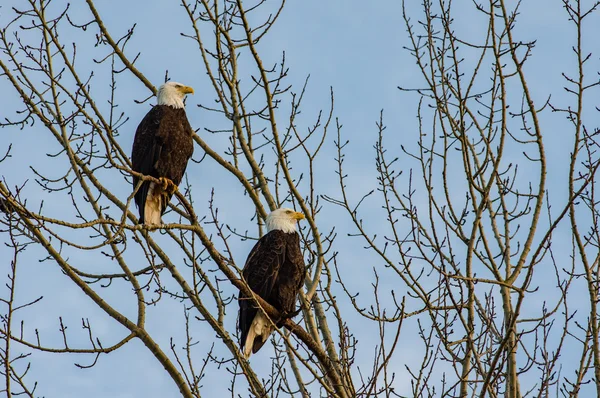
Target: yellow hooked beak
(298, 216)
(186, 90)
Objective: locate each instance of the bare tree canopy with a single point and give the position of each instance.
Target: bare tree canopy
(444, 157)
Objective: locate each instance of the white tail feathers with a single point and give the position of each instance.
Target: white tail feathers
(261, 328)
(153, 207)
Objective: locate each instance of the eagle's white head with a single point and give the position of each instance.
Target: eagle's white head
(172, 94)
(283, 220)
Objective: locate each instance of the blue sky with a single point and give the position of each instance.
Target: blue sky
(356, 49)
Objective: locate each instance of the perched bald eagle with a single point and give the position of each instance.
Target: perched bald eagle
(162, 147)
(275, 271)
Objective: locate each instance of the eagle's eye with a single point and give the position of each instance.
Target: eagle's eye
(288, 211)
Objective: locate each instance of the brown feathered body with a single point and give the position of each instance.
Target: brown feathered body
(162, 147)
(275, 271)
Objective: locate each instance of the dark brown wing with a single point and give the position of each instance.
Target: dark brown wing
(260, 272)
(145, 152)
(177, 145)
(162, 147)
(291, 276)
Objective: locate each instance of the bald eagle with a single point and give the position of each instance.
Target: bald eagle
(275, 271)
(162, 147)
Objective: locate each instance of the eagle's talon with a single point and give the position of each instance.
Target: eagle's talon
(167, 185)
(294, 313)
(163, 183)
(172, 188)
(289, 314)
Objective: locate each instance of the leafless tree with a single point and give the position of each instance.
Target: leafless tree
(191, 261)
(471, 234)
(468, 251)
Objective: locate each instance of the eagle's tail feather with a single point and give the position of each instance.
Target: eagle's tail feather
(153, 206)
(258, 334)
